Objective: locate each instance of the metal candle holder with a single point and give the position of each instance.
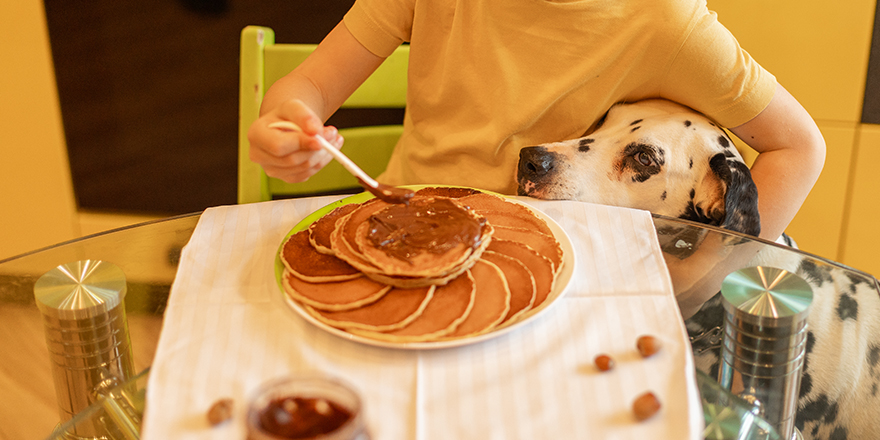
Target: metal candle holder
(86, 334)
(765, 334)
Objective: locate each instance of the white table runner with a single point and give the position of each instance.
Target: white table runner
(227, 329)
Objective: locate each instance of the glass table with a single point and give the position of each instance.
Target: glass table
(698, 257)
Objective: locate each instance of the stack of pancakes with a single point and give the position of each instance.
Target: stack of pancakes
(343, 276)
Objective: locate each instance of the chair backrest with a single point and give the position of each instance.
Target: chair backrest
(262, 63)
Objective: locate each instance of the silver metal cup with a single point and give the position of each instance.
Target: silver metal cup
(764, 342)
(86, 334)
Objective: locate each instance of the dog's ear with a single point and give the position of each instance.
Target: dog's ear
(741, 199)
(727, 197)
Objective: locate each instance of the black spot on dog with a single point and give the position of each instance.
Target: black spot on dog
(806, 379)
(635, 122)
(847, 308)
(693, 193)
(874, 357)
(814, 273)
(831, 413)
(691, 163)
(663, 196)
(811, 341)
(584, 144)
(812, 412)
(729, 153)
(806, 385)
(857, 279)
(687, 123)
(839, 433)
(635, 128)
(722, 140)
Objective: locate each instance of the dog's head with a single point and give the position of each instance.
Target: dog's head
(654, 155)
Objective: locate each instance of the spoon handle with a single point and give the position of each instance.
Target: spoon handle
(338, 155)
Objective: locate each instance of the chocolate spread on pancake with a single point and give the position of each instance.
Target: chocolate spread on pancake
(426, 225)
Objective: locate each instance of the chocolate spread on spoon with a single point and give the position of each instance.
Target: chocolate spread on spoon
(427, 225)
(388, 193)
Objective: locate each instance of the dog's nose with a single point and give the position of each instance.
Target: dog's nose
(535, 162)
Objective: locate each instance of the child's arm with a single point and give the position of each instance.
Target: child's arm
(307, 96)
(791, 155)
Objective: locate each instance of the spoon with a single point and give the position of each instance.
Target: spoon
(387, 193)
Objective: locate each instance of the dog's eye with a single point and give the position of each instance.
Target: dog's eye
(644, 158)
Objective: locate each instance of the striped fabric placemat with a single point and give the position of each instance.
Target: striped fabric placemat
(227, 330)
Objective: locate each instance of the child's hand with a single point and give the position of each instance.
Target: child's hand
(291, 156)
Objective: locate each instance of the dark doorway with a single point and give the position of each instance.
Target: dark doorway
(149, 94)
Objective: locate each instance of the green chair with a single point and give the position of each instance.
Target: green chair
(262, 63)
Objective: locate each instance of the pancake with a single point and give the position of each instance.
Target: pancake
(520, 281)
(424, 264)
(490, 305)
(503, 212)
(545, 245)
(404, 282)
(394, 310)
(304, 261)
(446, 191)
(434, 239)
(342, 239)
(540, 267)
(450, 306)
(320, 230)
(334, 296)
(344, 245)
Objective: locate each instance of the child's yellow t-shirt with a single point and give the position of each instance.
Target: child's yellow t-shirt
(488, 77)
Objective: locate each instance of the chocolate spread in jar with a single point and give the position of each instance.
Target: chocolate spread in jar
(302, 417)
(427, 225)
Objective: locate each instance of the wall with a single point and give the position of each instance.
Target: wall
(37, 206)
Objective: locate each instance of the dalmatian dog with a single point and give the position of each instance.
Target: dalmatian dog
(668, 159)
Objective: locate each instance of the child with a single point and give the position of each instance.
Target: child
(488, 77)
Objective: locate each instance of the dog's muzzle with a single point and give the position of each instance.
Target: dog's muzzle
(536, 166)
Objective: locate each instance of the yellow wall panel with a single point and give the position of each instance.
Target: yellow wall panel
(861, 247)
(818, 50)
(37, 206)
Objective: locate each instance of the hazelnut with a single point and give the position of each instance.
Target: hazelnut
(220, 412)
(604, 362)
(648, 345)
(645, 406)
